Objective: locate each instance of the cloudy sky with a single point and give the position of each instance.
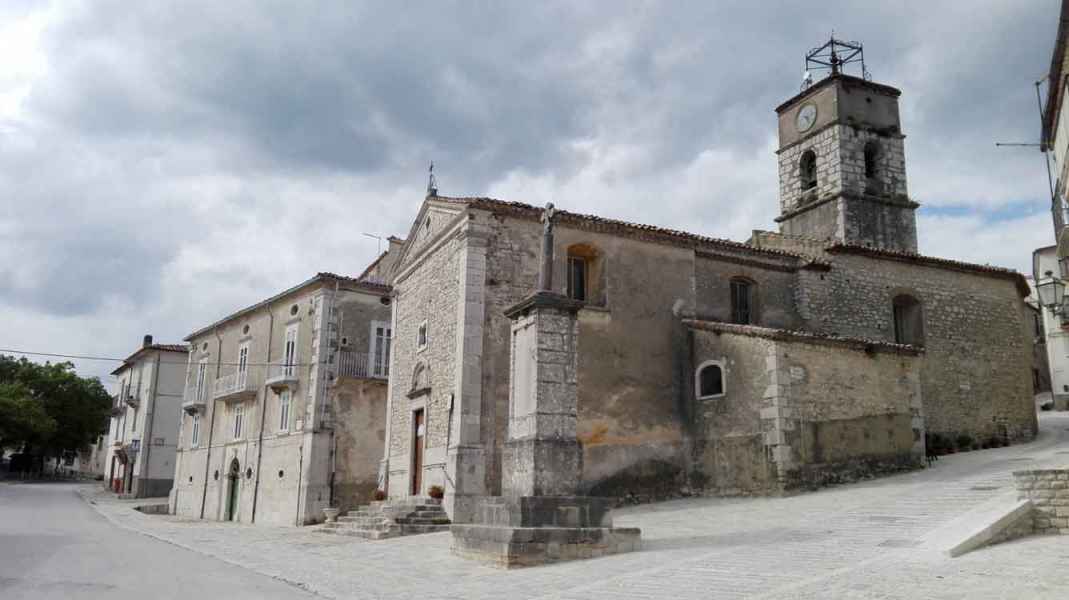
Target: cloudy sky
(162, 164)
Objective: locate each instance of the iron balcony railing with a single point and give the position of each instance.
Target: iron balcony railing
(359, 364)
(195, 399)
(282, 371)
(234, 385)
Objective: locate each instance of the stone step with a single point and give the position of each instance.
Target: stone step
(422, 521)
(418, 529)
(364, 521)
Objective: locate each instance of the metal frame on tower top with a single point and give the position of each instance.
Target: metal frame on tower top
(834, 57)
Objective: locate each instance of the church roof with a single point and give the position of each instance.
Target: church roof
(931, 261)
(637, 230)
(792, 335)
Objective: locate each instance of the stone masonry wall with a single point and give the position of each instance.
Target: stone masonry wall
(976, 377)
(359, 407)
(808, 413)
(1048, 489)
(429, 294)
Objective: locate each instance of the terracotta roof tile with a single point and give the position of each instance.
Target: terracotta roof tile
(613, 225)
(803, 336)
(931, 261)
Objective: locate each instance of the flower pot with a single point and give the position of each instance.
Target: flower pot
(331, 514)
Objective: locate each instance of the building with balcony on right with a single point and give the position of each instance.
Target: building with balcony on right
(284, 406)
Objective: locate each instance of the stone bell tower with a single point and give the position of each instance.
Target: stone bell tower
(842, 170)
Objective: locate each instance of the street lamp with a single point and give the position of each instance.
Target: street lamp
(1051, 292)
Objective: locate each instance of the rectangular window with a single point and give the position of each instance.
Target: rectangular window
(202, 384)
(284, 410)
(239, 420)
(194, 435)
(289, 349)
(577, 278)
(741, 302)
(380, 348)
(243, 365)
(421, 336)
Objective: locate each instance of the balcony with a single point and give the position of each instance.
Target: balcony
(282, 374)
(234, 387)
(194, 400)
(132, 401)
(358, 365)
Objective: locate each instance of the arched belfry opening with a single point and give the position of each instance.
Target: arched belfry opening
(807, 170)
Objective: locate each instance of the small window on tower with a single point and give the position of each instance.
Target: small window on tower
(872, 156)
(807, 167)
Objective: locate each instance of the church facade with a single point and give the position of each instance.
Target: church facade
(821, 353)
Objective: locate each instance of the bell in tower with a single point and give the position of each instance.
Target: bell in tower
(842, 169)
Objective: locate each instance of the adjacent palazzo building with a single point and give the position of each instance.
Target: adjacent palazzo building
(284, 404)
(142, 436)
(823, 352)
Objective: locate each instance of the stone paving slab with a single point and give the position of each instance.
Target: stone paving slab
(855, 541)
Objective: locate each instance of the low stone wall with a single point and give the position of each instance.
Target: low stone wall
(1048, 489)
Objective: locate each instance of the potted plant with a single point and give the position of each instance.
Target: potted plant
(331, 513)
(436, 491)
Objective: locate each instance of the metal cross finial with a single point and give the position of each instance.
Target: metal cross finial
(545, 272)
(432, 183)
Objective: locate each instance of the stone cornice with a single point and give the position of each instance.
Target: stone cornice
(807, 337)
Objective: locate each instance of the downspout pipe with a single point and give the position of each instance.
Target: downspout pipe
(263, 415)
(211, 421)
(150, 413)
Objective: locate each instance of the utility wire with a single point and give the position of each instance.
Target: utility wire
(123, 360)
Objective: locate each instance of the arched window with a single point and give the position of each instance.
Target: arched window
(807, 170)
(872, 156)
(742, 301)
(709, 380)
(908, 320)
(584, 274)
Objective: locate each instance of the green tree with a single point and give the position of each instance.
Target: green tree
(22, 418)
(76, 407)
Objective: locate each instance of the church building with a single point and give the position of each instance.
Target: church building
(824, 352)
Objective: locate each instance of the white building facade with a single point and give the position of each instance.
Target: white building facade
(258, 428)
(143, 433)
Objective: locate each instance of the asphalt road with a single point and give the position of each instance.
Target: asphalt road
(52, 545)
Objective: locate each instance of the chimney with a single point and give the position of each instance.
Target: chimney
(147, 341)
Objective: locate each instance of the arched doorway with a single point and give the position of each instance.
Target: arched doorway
(233, 480)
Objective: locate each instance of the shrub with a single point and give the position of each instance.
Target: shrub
(379, 495)
(436, 491)
(964, 441)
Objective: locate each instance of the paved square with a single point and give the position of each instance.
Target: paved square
(856, 541)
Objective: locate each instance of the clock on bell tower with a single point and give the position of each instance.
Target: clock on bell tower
(842, 169)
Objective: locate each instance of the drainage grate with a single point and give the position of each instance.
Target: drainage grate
(893, 543)
(984, 488)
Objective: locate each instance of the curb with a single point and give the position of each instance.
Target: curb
(303, 586)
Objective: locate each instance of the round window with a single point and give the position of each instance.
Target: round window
(280, 473)
(248, 473)
(294, 309)
(245, 329)
(204, 347)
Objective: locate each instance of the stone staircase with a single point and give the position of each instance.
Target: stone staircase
(391, 518)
